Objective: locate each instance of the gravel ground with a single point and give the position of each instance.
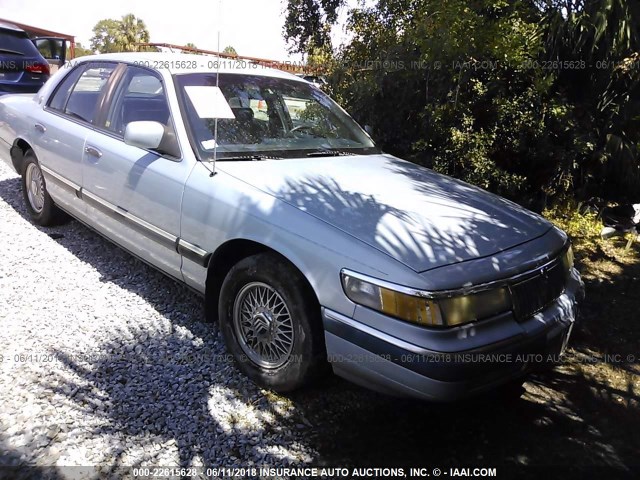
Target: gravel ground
(107, 363)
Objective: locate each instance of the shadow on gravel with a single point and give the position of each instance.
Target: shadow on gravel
(12, 467)
(157, 390)
(159, 395)
(562, 421)
(150, 385)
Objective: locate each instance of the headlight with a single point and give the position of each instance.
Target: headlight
(478, 306)
(400, 305)
(431, 312)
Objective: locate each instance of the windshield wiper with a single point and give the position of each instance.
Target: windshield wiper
(247, 158)
(14, 52)
(330, 153)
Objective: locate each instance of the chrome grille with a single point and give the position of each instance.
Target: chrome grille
(536, 292)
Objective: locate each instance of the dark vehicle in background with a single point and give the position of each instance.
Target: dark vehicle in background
(23, 69)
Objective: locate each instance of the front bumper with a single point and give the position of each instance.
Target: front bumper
(398, 360)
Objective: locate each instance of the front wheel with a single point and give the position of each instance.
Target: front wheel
(39, 204)
(271, 323)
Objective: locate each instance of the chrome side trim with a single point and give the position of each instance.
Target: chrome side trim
(465, 290)
(193, 252)
(60, 180)
(133, 254)
(161, 236)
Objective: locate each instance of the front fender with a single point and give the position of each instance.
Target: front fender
(222, 208)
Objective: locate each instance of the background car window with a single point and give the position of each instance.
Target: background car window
(50, 48)
(45, 49)
(60, 96)
(86, 93)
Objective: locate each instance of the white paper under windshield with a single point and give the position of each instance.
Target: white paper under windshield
(209, 101)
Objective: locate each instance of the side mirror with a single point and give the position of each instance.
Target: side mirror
(144, 134)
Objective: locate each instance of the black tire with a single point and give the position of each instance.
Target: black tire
(307, 357)
(46, 214)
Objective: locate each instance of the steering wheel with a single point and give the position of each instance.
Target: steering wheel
(300, 128)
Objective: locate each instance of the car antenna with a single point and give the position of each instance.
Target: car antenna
(215, 120)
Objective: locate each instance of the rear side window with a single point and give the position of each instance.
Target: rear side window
(17, 43)
(60, 96)
(85, 94)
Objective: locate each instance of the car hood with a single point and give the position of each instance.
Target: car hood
(421, 218)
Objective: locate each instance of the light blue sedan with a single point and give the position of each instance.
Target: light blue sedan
(311, 247)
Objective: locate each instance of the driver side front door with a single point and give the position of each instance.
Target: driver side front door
(134, 194)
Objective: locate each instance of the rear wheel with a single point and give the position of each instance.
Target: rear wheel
(39, 204)
(271, 323)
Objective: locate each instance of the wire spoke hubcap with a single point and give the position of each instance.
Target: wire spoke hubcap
(263, 325)
(35, 187)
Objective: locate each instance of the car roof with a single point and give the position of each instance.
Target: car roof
(182, 63)
(11, 26)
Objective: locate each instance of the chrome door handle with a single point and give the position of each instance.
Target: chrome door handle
(93, 151)
(41, 128)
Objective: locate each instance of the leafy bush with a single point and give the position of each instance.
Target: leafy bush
(534, 100)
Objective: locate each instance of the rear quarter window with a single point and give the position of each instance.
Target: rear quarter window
(78, 93)
(62, 92)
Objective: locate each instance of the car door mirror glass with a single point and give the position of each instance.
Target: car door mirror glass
(144, 134)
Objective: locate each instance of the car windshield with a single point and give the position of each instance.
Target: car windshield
(244, 116)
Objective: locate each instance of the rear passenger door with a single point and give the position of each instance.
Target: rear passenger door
(134, 194)
(61, 128)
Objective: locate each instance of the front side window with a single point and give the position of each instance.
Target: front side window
(140, 97)
(86, 93)
(250, 114)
